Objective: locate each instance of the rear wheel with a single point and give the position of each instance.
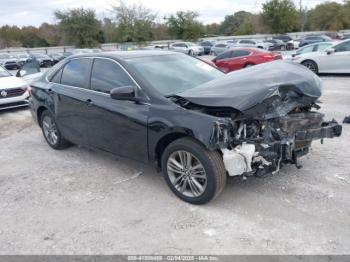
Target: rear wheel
(51, 132)
(194, 174)
(311, 65)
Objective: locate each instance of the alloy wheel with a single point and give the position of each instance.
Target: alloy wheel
(186, 173)
(310, 66)
(50, 130)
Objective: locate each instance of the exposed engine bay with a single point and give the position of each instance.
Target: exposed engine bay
(262, 123)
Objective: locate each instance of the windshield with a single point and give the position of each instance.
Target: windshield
(172, 74)
(3, 72)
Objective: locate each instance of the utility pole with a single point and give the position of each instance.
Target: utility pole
(302, 15)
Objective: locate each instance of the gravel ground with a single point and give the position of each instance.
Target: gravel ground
(80, 201)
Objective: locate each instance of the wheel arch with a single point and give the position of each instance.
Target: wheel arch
(166, 140)
(39, 113)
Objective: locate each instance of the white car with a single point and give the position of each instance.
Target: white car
(187, 48)
(294, 43)
(253, 43)
(15, 90)
(317, 47)
(334, 59)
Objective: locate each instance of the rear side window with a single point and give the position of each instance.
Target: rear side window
(76, 73)
(238, 53)
(107, 75)
(225, 55)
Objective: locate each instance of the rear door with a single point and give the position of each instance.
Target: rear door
(70, 91)
(239, 59)
(116, 126)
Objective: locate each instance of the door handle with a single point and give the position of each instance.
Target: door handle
(89, 102)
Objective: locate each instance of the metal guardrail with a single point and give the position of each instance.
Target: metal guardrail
(128, 46)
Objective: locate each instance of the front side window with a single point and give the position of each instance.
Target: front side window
(344, 47)
(76, 72)
(322, 47)
(172, 74)
(107, 75)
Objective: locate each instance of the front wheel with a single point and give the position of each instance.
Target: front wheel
(311, 65)
(191, 53)
(194, 174)
(51, 132)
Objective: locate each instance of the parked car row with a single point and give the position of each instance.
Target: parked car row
(320, 57)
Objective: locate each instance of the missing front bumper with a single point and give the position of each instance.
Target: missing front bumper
(327, 130)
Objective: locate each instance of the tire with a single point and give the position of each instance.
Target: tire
(210, 175)
(51, 132)
(283, 48)
(191, 53)
(311, 65)
(248, 65)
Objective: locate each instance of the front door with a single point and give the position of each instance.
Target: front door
(116, 126)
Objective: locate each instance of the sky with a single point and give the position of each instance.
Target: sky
(35, 12)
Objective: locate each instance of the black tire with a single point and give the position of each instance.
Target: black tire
(60, 143)
(311, 65)
(212, 163)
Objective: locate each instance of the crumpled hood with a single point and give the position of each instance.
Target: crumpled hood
(245, 89)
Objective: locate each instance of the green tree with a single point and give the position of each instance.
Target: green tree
(329, 16)
(79, 27)
(237, 24)
(280, 16)
(184, 25)
(134, 22)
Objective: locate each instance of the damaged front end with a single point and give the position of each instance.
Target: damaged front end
(262, 147)
(271, 124)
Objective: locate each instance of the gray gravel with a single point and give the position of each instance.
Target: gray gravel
(80, 201)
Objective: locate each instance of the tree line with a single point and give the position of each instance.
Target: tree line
(135, 23)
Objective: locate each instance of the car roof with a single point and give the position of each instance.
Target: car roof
(249, 49)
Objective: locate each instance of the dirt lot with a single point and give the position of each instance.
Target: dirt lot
(80, 201)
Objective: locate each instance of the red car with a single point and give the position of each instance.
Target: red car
(238, 58)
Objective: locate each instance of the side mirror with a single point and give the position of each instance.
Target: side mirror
(126, 93)
(123, 93)
(330, 51)
(21, 73)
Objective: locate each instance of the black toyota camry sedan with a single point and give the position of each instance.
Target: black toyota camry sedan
(195, 123)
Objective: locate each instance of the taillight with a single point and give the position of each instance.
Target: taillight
(268, 56)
